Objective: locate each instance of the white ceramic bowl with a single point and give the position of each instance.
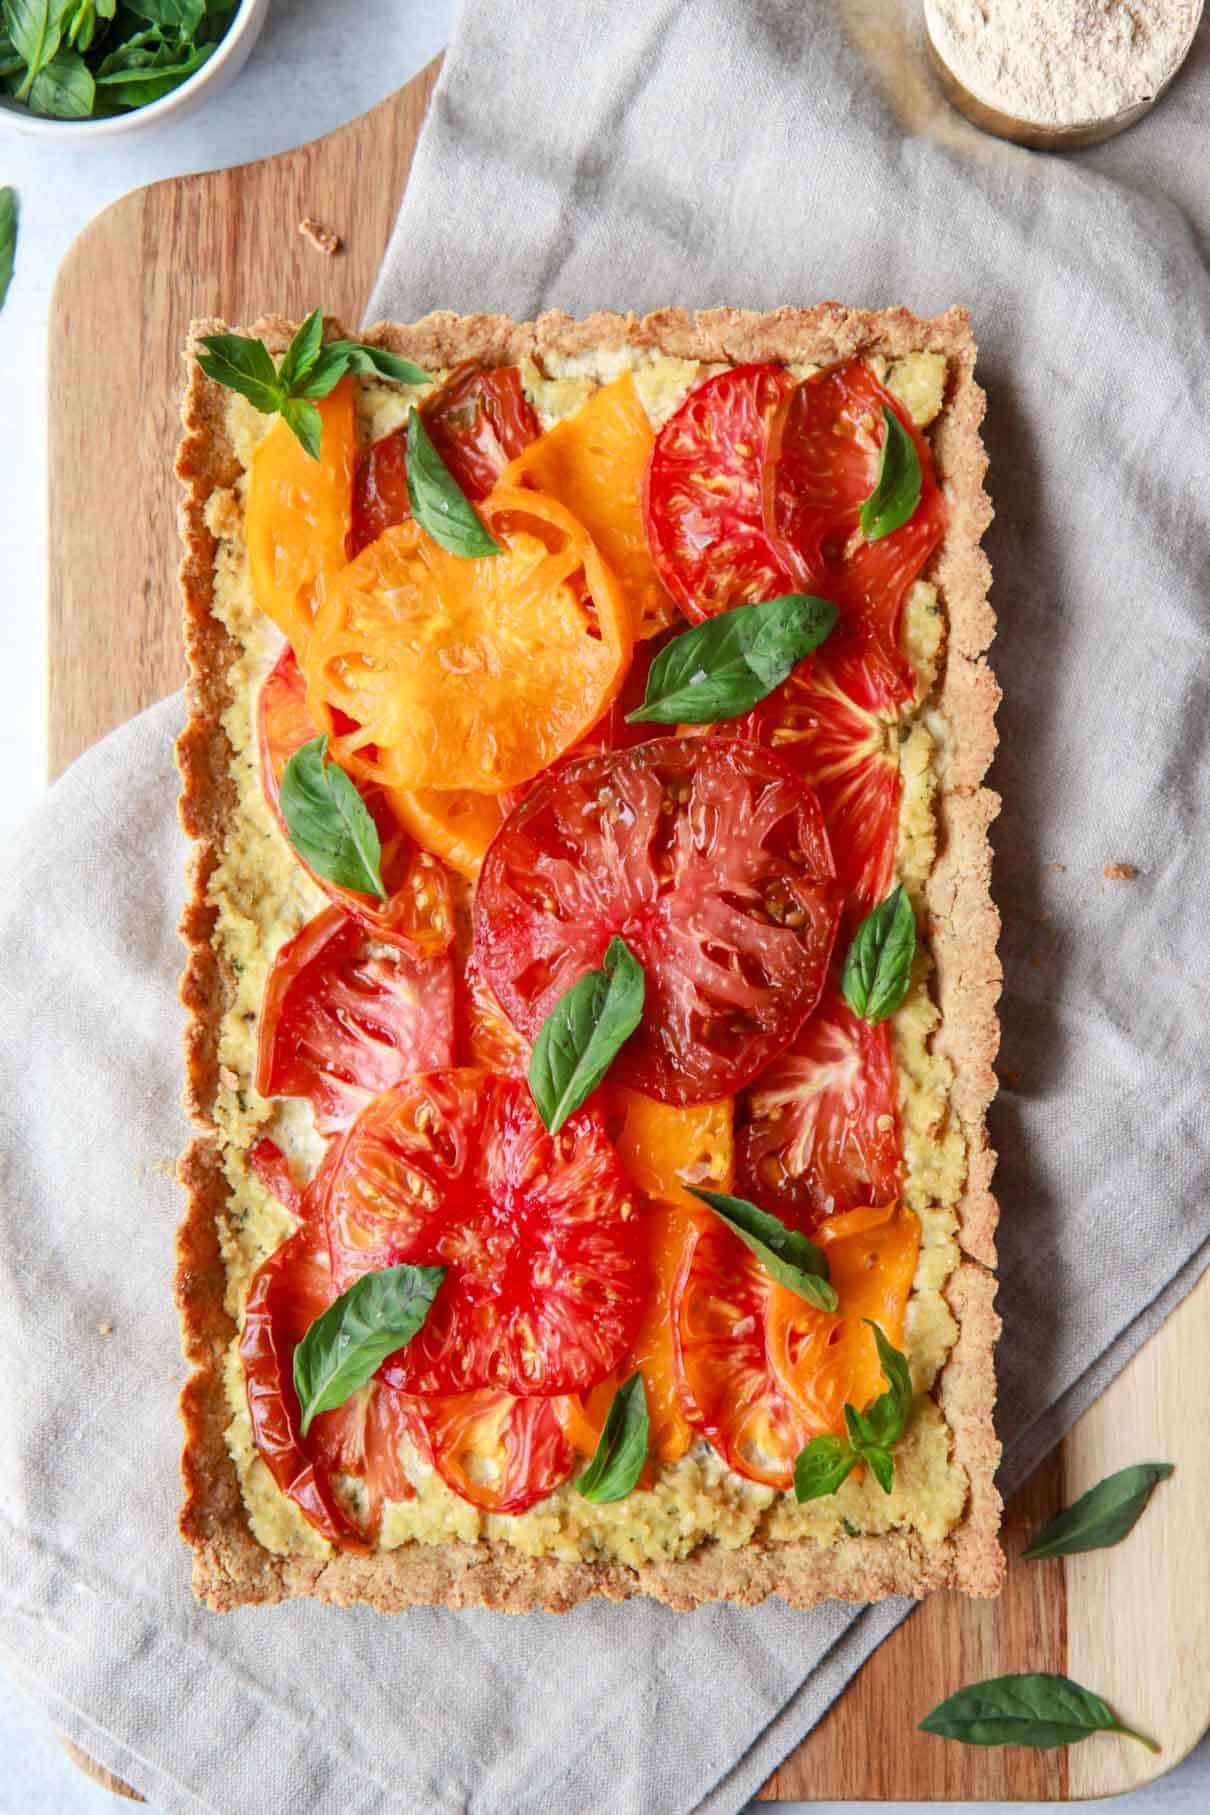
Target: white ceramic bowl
(216, 74)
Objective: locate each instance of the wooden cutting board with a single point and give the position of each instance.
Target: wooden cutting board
(1129, 1623)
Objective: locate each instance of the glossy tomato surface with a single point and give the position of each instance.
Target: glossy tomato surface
(709, 857)
(703, 502)
(477, 420)
(821, 1124)
(501, 1453)
(341, 1020)
(539, 1233)
(418, 914)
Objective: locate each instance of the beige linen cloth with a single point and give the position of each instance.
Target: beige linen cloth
(633, 156)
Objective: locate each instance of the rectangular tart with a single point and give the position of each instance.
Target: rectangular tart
(694, 1530)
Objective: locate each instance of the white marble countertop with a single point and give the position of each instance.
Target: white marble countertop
(308, 75)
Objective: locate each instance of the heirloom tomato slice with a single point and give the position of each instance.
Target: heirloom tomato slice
(288, 1292)
(709, 857)
(763, 1370)
(297, 513)
(501, 1453)
(418, 914)
(594, 462)
(837, 720)
(457, 673)
(666, 1148)
(478, 421)
(823, 463)
(703, 501)
(486, 1036)
(339, 1021)
(822, 1121)
(540, 1234)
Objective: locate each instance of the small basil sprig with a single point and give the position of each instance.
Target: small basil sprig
(348, 1343)
(308, 370)
(621, 1452)
(790, 1257)
(829, 1460)
(328, 822)
(897, 488)
(582, 1034)
(1102, 1516)
(438, 502)
(1038, 1710)
(878, 964)
(8, 239)
(726, 665)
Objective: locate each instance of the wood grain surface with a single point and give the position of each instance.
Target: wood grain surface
(1130, 1622)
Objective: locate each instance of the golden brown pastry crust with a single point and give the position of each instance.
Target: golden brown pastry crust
(230, 1566)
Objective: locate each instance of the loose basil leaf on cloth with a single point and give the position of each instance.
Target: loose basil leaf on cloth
(348, 1343)
(8, 239)
(438, 502)
(878, 964)
(729, 663)
(329, 824)
(583, 1033)
(792, 1259)
(827, 1461)
(897, 488)
(1101, 1517)
(1039, 1710)
(64, 88)
(622, 1450)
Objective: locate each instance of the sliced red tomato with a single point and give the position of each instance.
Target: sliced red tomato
(339, 1022)
(823, 463)
(540, 1233)
(821, 1132)
(501, 1453)
(478, 421)
(709, 857)
(418, 915)
(288, 1292)
(703, 506)
(486, 1036)
(837, 720)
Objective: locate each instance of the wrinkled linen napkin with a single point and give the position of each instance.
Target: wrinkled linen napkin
(636, 156)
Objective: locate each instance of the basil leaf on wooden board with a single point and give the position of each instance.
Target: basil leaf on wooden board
(1039, 1710)
(827, 1461)
(823, 1466)
(64, 88)
(583, 1033)
(329, 824)
(8, 239)
(790, 1257)
(897, 488)
(878, 964)
(376, 361)
(1101, 1517)
(729, 663)
(619, 1457)
(438, 502)
(34, 28)
(348, 1343)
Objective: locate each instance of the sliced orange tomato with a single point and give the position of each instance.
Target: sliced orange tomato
(462, 673)
(664, 1147)
(297, 514)
(454, 824)
(594, 463)
(501, 1453)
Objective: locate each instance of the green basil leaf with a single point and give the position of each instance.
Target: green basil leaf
(1040, 1710)
(1102, 1516)
(81, 24)
(244, 365)
(583, 1033)
(348, 1343)
(35, 28)
(438, 502)
(889, 1414)
(8, 239)
(142, 50)
(861, 1431)
(622, 1450)
(300, 356)
(181, 16)
(140, 87)
(329, 824)
(878, 964)
(304, 421)
(881, 1466)
(724, 666)
(64, 88)
(329, 368)
(791, 1258)
(896, 490)
(823, 1466)
(376, 361)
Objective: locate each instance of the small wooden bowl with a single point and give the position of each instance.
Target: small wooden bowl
(1029, 132)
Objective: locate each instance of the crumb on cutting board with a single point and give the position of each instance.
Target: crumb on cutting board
(324, 239)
